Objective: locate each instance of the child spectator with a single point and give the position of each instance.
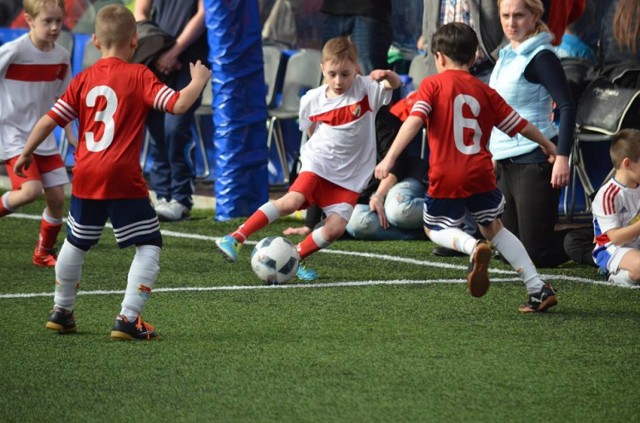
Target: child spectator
(460, 112)
(616, 213)
(34, 72)
(339, 158)
(111, 100)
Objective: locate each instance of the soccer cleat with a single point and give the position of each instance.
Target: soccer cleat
(172, 211)
(62, 321)
(478, 275)
(304, 273)
(43, 257)
(131, 331)
(229, 247)
(540, 302)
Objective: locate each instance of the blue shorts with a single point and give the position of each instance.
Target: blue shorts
(442, 213)
(134, 221)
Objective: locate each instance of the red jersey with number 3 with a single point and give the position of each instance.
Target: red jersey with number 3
(460, 111)
(111, 100)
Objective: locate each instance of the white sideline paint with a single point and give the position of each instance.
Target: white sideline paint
(320, 284)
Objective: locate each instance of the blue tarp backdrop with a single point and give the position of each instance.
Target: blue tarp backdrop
(240, 111)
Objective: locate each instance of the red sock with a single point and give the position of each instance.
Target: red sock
(255, 222)
(307, 246)
(48, 234)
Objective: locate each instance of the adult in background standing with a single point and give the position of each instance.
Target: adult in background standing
(369, 25)
(481, 15)
(172, 144)
(529, 76)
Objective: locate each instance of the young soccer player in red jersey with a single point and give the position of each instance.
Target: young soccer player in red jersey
(460, 112)
(34, 72)
(111, 100)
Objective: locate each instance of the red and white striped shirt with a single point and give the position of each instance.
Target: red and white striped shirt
(30, 81)
(111, 100)
(342, 148)
(460, 111)
(615, 206)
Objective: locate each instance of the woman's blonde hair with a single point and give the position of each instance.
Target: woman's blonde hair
(626, 24)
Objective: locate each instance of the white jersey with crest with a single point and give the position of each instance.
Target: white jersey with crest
(342, 148)
(30, 82)
(615, 206)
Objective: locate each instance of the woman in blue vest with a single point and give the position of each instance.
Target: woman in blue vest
(529, 76)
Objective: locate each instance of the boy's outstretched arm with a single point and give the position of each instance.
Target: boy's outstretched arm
(533, 133)
(40, 132)
(390, 79)
(200, 74)
(407, 132)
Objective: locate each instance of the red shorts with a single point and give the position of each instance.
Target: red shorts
(317, 190)
(39, 166)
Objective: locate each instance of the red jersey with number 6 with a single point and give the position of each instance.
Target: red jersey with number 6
(111, 100)
(460, 111)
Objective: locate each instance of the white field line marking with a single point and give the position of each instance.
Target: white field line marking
(315, 285)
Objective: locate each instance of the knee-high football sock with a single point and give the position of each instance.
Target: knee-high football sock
(312, 243)
(455, 239)
(142, 276)
(49, 229)
(68, 272)
(514, 252)
(266, 214)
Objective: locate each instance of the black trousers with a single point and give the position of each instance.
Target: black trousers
(531, 210)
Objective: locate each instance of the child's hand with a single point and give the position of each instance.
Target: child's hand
(383, 168)
(378, 74)
(23, 163)
(199, 72)
(549, 149)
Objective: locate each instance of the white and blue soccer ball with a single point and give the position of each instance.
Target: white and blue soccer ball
(275, 260)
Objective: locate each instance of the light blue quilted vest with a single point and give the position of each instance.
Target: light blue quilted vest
(532, 101)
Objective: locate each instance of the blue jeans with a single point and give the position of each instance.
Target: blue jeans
(403, 208)
(172, 148)
(371, 37)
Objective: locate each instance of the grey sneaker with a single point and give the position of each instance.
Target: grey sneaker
(161, 204)
(173, 212)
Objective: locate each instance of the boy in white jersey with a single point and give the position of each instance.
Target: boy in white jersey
(111, 100)
(34, 72)
(339, 157)
(616, 213)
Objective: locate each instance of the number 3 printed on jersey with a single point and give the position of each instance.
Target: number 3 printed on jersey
(105, 116)
(460, 122)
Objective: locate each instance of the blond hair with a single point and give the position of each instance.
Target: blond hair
(537, 8)
(115, 26)
(625, 144)
(339, 49)
(626, 24)
(34, 7)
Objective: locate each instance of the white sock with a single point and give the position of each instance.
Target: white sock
(454, 238)
(5, 201)
(142, 276)
(514, 252)
(621, 277)
(68, 272)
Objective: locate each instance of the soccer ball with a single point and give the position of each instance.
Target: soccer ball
(275, 260)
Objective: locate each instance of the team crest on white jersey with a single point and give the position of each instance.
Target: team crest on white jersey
(356, 109)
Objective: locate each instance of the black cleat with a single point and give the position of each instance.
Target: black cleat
(62, 321)
(478, 275)
(540, 302)
(138, 330)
